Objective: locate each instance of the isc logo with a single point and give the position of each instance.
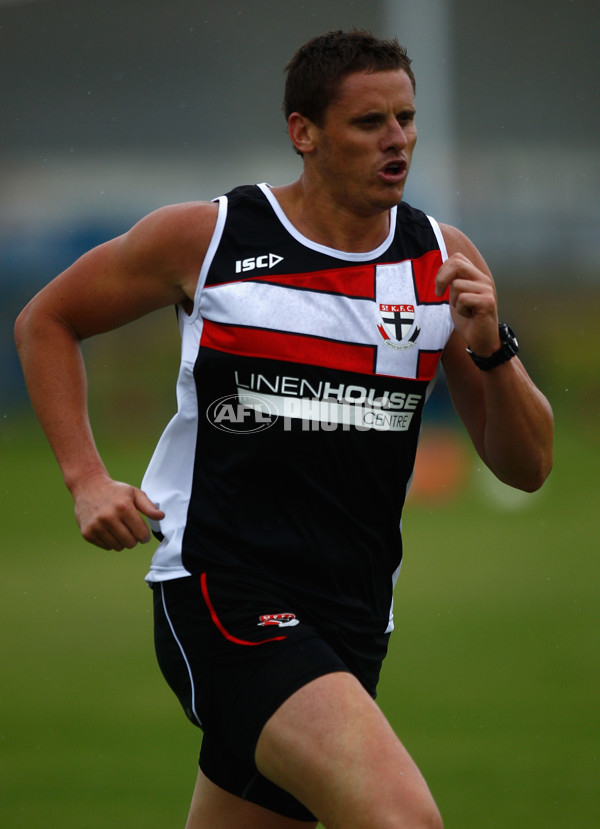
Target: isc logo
(269, 260)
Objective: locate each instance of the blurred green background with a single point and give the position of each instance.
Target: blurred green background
(493, 674)
(112, 109)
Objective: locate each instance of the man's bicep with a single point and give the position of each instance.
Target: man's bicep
(153, 265)
(100, 292)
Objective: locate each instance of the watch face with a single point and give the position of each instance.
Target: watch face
(507, 335)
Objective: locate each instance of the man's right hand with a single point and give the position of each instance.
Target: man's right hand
(109, 513)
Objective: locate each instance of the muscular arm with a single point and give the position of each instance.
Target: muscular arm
(508, 419)
(153, 265)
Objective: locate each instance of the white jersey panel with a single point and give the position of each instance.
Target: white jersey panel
(169, 477)
(294, 311)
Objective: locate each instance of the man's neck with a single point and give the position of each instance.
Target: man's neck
(329, 224)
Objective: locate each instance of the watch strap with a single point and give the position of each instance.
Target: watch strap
(509, 347)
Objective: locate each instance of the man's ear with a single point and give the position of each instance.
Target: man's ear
(302, 133)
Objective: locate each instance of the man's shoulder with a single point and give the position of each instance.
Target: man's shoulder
(172, 239)
(184, 213)
(176, 223)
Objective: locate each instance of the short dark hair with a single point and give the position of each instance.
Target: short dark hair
(316, 70)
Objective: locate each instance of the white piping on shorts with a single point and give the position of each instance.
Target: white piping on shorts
(185, 659)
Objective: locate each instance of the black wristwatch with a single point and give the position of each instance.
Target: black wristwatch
(506, 352)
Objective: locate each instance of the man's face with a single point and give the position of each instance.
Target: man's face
(362, 151)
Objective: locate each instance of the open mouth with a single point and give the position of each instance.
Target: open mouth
(394, 169)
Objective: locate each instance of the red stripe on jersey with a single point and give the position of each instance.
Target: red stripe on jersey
(427, 365)
(354, 281)
(357, 281)
(219, 624)
(293, 348)
(424, 269)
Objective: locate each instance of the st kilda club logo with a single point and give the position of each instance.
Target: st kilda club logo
(398, 325)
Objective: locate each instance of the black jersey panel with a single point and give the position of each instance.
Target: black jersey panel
(310, 488)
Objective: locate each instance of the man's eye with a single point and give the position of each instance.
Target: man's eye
(369, 123)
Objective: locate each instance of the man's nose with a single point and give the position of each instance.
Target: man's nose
(395, 137)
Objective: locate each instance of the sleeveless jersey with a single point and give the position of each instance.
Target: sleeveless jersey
(303, 378)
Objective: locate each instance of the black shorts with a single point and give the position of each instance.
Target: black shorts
(233, 649)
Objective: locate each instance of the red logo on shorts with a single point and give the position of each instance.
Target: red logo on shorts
(281, 620)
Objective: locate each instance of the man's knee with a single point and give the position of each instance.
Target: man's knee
(427, 816)
(419, 814)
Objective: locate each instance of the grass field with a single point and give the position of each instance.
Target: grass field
(492, 679)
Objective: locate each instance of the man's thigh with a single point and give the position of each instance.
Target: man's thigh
(230, 672)
(332, 748)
